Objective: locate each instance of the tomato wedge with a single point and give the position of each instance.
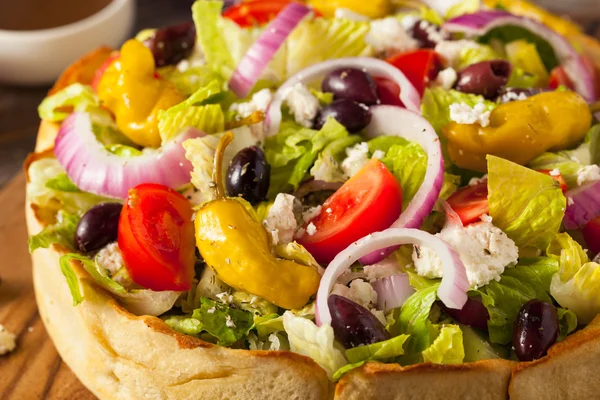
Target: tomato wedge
(257, 12)
(557, 177)
(470, 202)
(368, 202)
(156, 237)
(558, 77)
(419, 66)
(591, 235)
(389, 91)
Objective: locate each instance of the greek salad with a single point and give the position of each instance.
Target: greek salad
(350, 180)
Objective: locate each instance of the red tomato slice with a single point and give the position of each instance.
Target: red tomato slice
(389, 91)
(558, 178)
(591, 235)
(558, 77)
(156, 237)
(100, 71)
(368, 202)
(419, 66)
(256, 12)
(470, 202)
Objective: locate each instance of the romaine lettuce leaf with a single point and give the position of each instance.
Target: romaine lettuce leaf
(327, 167)
(62, 232)
(529, 280)
(315, 342)
(447, 348)
(80, 97)
(408, 163)
(479, 348)
(527, 205)
(193, 79)
(208, 119)
(577, 283)
(462, 7)
(568, 322)
(521, 79)
(472, 55)
(524, 56)
(227, 325)
(62, 183)
(414, 320)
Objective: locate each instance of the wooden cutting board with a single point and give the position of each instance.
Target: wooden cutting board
(34, 370)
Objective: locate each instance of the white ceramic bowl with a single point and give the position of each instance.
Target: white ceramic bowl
(38, 57)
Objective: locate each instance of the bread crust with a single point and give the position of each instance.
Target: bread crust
(121, 356)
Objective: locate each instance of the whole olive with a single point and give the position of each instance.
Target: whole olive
(98, 227)
(486, 78)
(354, 116)
(172, 44)
(473, 314)
(249, 175)
(353, 325)
(427, 34)
(535, 330)
(352, 84)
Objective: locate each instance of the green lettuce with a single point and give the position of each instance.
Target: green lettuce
(462, 7)
(408, 163)
(479, 348)
(473, 55)
(414, 320)
(520, 79)
(293, 151)
(447, 348)
(62, 183)
(227, 325)
(193, 79)
(436, 104)
(527, 205)
(577, 283)
(80, 97)
(62, 233)
(327, 167)
(529, 280)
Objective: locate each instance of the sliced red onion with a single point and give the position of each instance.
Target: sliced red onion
(583, 205)
(452, 291)
(408, 94)
(390, 120)
(315, 185)
(262, 51)
(481, 22)
(392, 291)
(452, 218)
(94, 169)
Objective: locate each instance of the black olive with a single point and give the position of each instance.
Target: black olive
(249, 175)
(98, 227)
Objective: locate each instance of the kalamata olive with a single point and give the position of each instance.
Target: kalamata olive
(249, 175)
(98, 227)
(172, 44)
(473, 314)
(354, 116)
(354, 325)
(536, 329)
(352, 84)
(486, 78)
(513, 94)
(427, 34)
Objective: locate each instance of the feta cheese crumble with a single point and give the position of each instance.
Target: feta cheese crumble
(477, 181)
(281, 221)
(7, 341)
(588, 174)
(311, 229)
(260, 102)
(512, 96)
(311, 213)
(555, 172)
(378, 154)
(462, 113)
(357, 157)
(111, 259)
(451, 49)
(447, 78)
(384, 268)
(360, 292)
(388, 35)
(303, 104)
(483, 248)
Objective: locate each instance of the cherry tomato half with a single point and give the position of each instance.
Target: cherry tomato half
(419, 66)
(156, 237)
(257, 12)
(557, 177)
(591, 235)
(470, 202)
(368, 202)
(389, 91)
(558, 77)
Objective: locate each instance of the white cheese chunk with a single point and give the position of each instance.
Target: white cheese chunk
(388, 35)
(588, 174)
(462, 113)
(281, 221)
(303, 104)
(260, 102)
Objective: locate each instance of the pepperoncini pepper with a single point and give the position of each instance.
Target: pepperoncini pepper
(519, 131)
(134, 94)
(370, 8)
(236, 247)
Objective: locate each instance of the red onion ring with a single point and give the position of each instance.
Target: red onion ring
(583, 205)
(264, 48)
(94, 169)
(452, 291)
(390, 120)
(481, 22)
(408, 94)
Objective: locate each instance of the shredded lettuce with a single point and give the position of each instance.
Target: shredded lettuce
(315, 342)
(577, 283)
(62, 233)
(80, 97)
(529, 280)
(227, 325)
(294, 150)
(447, 348)
(527, 205)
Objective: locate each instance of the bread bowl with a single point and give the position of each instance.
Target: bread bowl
(119, 355)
